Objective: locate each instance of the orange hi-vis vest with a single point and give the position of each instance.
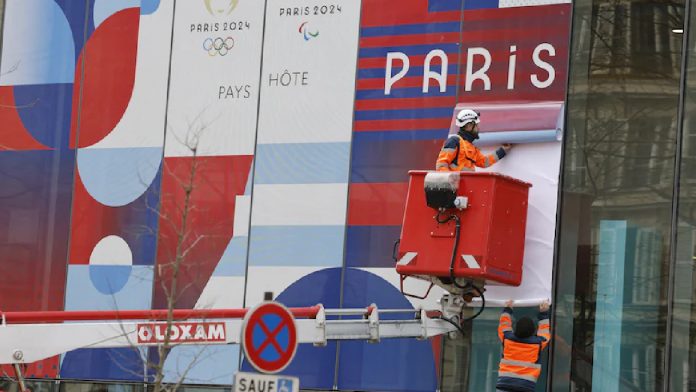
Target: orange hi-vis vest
(520, 365)
(459, 154)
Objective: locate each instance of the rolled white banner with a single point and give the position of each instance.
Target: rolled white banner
(519, 137)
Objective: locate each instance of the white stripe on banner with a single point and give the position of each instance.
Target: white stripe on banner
(301, 204)
(242, 212)
(222, 292)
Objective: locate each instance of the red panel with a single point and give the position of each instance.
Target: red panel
(492, 230)
(526, 28)
(107, 82)
(206, 229)
(14, 135)
(389, 12)
(436, 342)
(91, 221)
(47, 368)
(380, 204)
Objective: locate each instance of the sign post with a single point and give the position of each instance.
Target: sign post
(269, 341)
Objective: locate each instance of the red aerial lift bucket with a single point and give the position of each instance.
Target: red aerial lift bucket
(492, 210)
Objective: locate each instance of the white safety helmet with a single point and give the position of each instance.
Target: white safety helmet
(466, 116)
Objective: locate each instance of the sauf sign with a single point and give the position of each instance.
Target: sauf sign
(189, 332)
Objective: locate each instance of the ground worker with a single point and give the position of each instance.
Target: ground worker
(459, 153)
(520, 363)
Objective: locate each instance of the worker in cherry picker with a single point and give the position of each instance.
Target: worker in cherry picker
(520, 362)
(459, 153)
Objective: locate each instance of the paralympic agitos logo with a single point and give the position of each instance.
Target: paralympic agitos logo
(307, 34)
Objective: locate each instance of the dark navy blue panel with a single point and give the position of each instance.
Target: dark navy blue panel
(444, 5)
(371, 246)
(396, 114)
(315, 366)
(370, 73)
(422, 134)
(45, 111)
(120, 364)
(409, 50)
(409, 29)
(480, 4)
(36, 192)
(140, 221)
(390, 160)
(391, 364)
(75, 11)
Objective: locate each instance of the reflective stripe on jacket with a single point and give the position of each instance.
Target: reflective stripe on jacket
(459, 154)
(520, 365)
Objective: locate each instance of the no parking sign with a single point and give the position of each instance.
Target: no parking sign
(269, 337)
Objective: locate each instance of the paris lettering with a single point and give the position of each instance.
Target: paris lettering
(219, 26)
(327, 9)
(478, 62)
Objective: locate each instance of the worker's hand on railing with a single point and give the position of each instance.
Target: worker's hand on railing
(544, 306)
(507, 147)
(509, 303)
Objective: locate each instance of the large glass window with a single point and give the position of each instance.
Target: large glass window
(683, 358)
(616, 214)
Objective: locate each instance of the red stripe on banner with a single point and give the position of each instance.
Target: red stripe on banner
(402, 125)
(413, 61)
(515, 15)
(415, 81)
(404, 103)
(414, 39)
(503, 37)
(389, 12)
(380, 204)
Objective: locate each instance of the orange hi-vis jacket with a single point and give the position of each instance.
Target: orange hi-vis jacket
(520, 365)
(459, 154)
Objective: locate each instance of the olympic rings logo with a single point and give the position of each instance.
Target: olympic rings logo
(218, 46)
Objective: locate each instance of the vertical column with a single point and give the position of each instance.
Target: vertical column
(211, 127)
(117, 129)
(209, 147)
(302, 163)
(305, 127)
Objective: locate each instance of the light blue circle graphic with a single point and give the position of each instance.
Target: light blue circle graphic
(109, 279)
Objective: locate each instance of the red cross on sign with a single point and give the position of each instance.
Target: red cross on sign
(269, 337)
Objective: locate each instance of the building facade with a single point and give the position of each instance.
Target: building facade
(265, 146)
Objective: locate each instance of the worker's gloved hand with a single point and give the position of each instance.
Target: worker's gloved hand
(544, 306)
(507, 147)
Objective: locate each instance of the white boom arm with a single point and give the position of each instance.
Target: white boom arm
(30, 342)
